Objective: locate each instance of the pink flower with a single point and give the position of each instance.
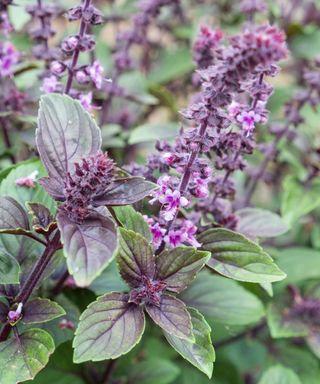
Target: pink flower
(174, 238)
(190, 230)
(29, 181)
(66, 324)
(169, 158)
(172, 201)
(9, 56)
(50, 84)
(234, 108)
(86, 101)
(14, 316)
(5, 25)
(95, 72)
(201, 189)
(248, 120)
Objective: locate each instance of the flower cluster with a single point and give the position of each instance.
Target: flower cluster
(5, 24)
(89, 179)
(42, 15)
(137, 35)
(67, 60)
(205, 46)
(251, 7)
(9, 56)
(238, 68)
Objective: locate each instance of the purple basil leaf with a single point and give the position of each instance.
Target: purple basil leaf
(108, 328)
(54, 187)
(89, 247)
(126, 191)
(179, 266)
(3, 312)
(41, 216)
(13, 218)
(40, 311)
(65, 134)
(135, 258)
(172, 316)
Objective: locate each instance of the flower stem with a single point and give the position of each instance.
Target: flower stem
(185, 178)
(34, 278)
(75, 56)
(6, 137)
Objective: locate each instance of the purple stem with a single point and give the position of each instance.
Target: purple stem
(186, 177)
(34, 278)
(75, 57)
(6, 137)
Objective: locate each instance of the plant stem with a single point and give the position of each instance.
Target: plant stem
(6, 137)
(60, 283)
(75, 56)
(34, 278)
(249, 332)
(38, 269)
(108, 372)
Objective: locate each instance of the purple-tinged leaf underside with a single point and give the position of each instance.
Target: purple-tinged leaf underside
(126, 191)
(172, 316)
(199, 353)
(135, 258)
(65, 134)
(108, 328)
(40, 311)
(90, 246)
(179, 266)
(256, 222)
(13, 218)
(41, 217)
(23, 356)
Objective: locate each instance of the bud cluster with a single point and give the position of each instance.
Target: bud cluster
(88, 180)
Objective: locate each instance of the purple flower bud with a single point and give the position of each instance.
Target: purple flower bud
(50, 84)
(57, 67)
(82, 77)
(69, 44)
(15, 315)
(75, 13)
(86, 101)
(89, 179)
(95, 72)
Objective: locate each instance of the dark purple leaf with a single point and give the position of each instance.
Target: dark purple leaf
(65, 134)
(135, 258)
(54, 187)
(179, 266)
(89, 247)
(126, 191)
(13, 218)
(40, 311)
(41, 217)
(172, 316)
(108, 328)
